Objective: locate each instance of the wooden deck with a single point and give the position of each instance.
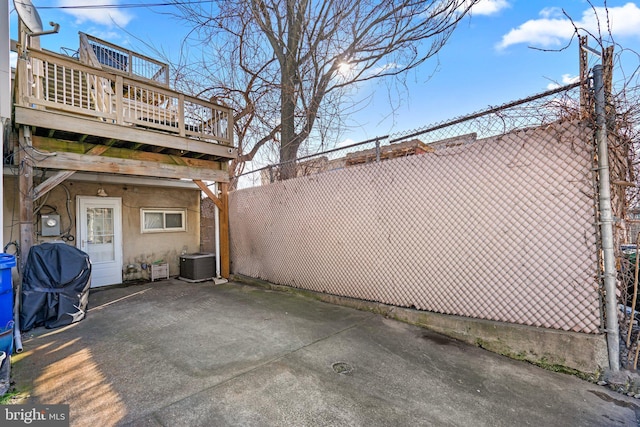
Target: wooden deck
(110, 112)
(73, 107)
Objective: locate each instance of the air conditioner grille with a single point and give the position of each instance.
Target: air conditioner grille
(198, 266)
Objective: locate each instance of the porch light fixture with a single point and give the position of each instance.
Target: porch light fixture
(101, 192)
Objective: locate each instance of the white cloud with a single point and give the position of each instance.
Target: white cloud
(551, 13)
(345, 143)
(102, 16)
(567, 79)
(489, 7)
(624, 20)
(554, 29)
(112, 36)
(539, 32)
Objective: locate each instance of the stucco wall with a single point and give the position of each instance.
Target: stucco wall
(138, 248)
(501, 229)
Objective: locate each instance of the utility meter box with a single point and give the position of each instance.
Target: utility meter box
(50, 225)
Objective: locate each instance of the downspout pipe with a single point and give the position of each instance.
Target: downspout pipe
(606, 223)
(17, 336)
(216, 222)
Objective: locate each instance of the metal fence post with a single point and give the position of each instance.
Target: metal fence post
(606, 223)
(377, 151)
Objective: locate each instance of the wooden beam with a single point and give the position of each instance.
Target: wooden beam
(88, 163)
(83, 126)
(53, 181)
(585, 97)
(206, 190)
(57, 145)
(607, 77)
(97, 150)
(222, 203)
(25, 187)
(178, 160)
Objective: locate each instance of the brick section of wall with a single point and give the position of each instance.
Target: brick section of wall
(207, 226)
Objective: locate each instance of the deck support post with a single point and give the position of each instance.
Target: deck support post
(222, 204)
(25, 186)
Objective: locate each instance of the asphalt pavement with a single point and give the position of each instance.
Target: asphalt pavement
(173, 353)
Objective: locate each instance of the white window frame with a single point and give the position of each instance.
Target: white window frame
(164, 212)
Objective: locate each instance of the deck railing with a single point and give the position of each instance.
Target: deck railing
(59, 83)
(123, 60)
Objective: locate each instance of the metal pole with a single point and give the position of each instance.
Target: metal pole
(377, 151)
(606, 224)
(216, 226)
(5, 87)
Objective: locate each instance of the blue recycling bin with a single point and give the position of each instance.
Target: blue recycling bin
(7, 261)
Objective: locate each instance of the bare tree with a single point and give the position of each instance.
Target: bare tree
(287, 66)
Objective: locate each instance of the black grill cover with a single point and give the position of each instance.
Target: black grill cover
(55, 286)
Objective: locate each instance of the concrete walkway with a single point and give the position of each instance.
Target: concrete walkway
(172, 353)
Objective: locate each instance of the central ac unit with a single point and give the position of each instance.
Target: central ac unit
(197, 267)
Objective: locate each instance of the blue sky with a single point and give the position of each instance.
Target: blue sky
(488, 60)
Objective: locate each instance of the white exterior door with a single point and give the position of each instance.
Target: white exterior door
(99, 234)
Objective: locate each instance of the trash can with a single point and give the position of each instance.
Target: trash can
(6, 302)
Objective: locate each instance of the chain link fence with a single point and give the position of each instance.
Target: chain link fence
(554, 105)
(490, 216)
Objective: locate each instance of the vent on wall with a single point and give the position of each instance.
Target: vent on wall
(197, 267)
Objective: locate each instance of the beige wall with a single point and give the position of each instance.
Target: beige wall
(138, 248)
(501, 229)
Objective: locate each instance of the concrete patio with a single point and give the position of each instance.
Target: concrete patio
(172, 353)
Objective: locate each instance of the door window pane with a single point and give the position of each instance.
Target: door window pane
(100, 234)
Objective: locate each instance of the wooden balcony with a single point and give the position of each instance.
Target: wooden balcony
(78, 107)
(103, 54)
